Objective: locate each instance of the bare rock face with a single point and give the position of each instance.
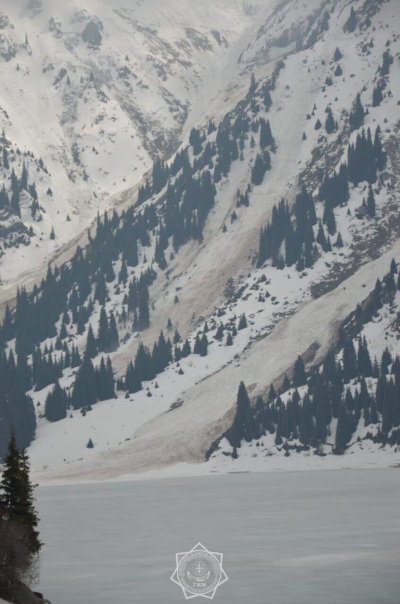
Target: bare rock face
(8, 49)
(61, 75)
(92, 33)
(4, 21)
(20, 594)
(35, 6)
(13, 232)
(55, 27)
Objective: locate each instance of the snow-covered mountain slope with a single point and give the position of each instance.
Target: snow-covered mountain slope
(349, 405)
(291, 308)
(97, 90)
(188, 412)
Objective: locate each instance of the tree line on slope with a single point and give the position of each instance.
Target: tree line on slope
(365, 158)
(13, 186)
(340, 389)
(148, 364)
(37, 337)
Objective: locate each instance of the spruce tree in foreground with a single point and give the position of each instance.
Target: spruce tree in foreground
(17, 494)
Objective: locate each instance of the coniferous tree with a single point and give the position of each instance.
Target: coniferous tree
(6, 163)
(237, 431)
(377, 95)
(299, 375)
(144, 311)
(272, 393)
(8, 326)
(339, 241)
(337, 55)
(379, 153)
(386, 63)
(132, 380)
(197, 345)
(253, 84)
(195, 141)
(357, 114)
(17, 493)
(306, 428)
(321, 238)
(105, 380)
(186, 349)
(91, 345)
(84, 394)
(56, 404)
(351, 22)
(242, 322)
(266, 138)
(386, 361)
(286, 384)
(113, 338)
(362, 160)
(335, 188)
(338, 71)
(24, 178)
(330, 124)
(204, 346)
(261, 165)
(15, 203)
(220, 332)
(123, 273)
(342, 431)
(103, 332)
(329, 218)
(363, 359)
(350, 368)
(371, 209)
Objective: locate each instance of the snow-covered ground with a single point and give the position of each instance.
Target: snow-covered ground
(145, 434)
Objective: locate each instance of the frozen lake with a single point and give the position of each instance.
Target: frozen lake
(304, 538)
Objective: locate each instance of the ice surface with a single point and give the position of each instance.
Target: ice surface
(309, 538)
